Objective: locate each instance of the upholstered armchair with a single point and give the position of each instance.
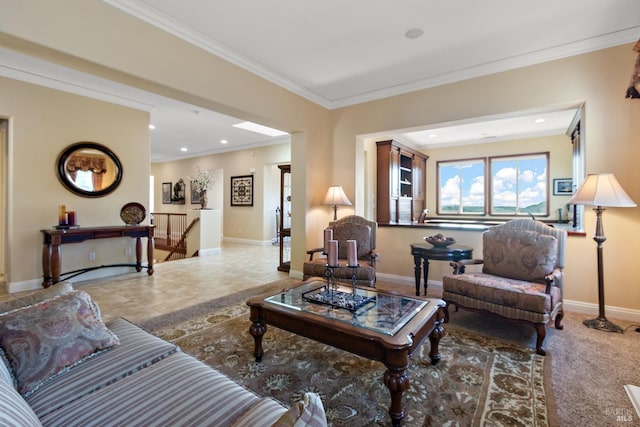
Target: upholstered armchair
(521, 278)
(356, 228)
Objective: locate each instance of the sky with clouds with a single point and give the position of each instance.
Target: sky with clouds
(521, 181)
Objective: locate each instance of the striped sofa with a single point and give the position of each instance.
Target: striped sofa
(141, 380)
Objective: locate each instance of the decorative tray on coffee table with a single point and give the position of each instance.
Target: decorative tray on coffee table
(338, 299)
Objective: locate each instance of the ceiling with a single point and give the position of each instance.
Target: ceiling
(338, 53)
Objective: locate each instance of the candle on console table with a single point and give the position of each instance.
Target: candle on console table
(328, 235)
(71, 218)
(352, 253)
(332, 254)
(62, 215)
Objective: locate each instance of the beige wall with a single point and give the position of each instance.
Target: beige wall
(612, 144)
(240, 223)
(43, 123)
(327, 147)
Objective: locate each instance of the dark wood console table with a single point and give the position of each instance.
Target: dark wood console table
(53, 238)
(425, 252)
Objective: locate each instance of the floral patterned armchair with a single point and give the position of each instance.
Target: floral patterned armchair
(351, 227)
(521, 278)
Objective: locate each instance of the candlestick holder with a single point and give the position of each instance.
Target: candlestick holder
(330, 277)
(330, 295)
(354, 270)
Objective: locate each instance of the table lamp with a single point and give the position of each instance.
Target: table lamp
(336, 197)
(602, 190)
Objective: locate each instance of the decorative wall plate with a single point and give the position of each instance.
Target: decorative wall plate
(133, 213)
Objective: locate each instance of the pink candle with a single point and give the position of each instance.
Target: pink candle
(352, 252)
(328, 235)
(332, 254)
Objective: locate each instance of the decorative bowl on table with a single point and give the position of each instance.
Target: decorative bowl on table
(440, 241)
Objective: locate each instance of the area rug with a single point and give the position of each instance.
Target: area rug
(480, 381)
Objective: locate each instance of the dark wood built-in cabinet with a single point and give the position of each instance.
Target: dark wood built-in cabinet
(401, 187)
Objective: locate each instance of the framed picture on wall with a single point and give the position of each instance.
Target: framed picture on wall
(195, 195)
(562, 187)
(242, 190)
(166, 193)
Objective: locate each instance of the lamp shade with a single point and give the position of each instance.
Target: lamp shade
(336, 197)
(601, 190)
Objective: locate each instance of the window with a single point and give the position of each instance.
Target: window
(519, 184)
(84, 180)
(461, 187)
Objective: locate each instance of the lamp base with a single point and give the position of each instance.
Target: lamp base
(602, 324)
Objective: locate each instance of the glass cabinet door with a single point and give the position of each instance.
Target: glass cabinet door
(284, 226)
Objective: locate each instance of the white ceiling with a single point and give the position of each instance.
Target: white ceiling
(338, 53)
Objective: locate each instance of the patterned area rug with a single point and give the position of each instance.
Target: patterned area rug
(479, 381)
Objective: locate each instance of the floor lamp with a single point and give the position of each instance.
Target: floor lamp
(336, 197)
(602, 190)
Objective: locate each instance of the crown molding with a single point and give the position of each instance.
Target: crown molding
(531, 58)
(171, 26)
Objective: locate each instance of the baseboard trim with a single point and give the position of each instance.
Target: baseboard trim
(102, 273)
(611, 312)
(247, 241)
(209, 251)
(296, 274)
(27, 285)
(408, 281)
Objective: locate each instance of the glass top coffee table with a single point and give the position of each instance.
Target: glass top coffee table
(385, 327)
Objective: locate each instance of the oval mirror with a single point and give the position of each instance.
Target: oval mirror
(89, 169)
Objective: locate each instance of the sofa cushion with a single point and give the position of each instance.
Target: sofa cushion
(14, 411)
(40, 295)
(264, 413)
(307, 413)
(177, 391)
(502, 291)
(44, 339)
(5, 371)
(519, 254)
(137, 350)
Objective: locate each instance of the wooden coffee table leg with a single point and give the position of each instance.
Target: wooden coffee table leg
(395, 378)
(257, 329)
(435, 335)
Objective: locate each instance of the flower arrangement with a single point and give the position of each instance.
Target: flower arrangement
(202, 181)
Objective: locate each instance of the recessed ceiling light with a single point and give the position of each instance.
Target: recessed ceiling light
(414, 33)
(223, 141)
(184, 149)
(152, 127)
(264, 130)
(432, 135)
(540, 120)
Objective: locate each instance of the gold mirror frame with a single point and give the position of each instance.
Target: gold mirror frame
(104, 165)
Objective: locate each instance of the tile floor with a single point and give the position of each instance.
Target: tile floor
(178, 284)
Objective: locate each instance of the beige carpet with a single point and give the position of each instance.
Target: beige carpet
(480, 380)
